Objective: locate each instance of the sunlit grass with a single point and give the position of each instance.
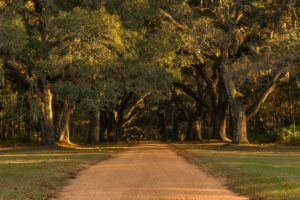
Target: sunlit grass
(261, 172)
(40, 173)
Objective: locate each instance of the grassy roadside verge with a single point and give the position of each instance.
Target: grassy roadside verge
(40, 173)
(260, 172)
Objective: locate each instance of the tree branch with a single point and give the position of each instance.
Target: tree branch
(252, 109)
(179, 104)
(180, 26)
(133, 110)
(14, 75)
(187, 90)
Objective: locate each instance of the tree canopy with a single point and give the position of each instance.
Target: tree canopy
(99, 70)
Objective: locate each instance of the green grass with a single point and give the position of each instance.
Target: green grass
(260, 172)
(40, 173)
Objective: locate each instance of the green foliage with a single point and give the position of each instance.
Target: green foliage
(93, 37)
(134, 13)
(92, 52)
(71, 92)
(288, 135)
(12, 31)
(8, 103)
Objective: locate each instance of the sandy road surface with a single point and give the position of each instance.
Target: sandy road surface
(146, 172)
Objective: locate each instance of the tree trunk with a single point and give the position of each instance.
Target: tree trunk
(239, 117)
(219, 120)
(239, 124)
(118, 125)
(175, 132)
(111, 124)
(189, 130)
(64, 132)
(103, 126)
(197, 128)
(2, 131)
(104, 135)
(27, 128)
(223, 129)
(46, 117)
(94, 128)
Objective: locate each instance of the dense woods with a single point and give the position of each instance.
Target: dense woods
(119, 70)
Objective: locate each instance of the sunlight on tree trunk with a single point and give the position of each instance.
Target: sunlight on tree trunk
(64, 133)
(197, 126)
(46, 117)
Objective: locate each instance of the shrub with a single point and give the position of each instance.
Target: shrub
(288, 135)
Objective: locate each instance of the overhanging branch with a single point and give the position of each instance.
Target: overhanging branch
(252, 109)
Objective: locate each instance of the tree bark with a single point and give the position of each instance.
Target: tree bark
(238, 111)
(239, 124)
(194, 121)
(103, 126)
(129, 116)
(197, 128)
(219, 121)
(46, 117)
(219, 102)
(94, 128)
(223, 128)
(64, 132)
(118, 125)
(111, 124)
(119, 114)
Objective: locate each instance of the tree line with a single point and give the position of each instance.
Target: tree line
(108, 70)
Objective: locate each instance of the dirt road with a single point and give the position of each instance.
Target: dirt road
(146, 172)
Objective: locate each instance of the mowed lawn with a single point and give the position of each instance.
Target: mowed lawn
(40, 173)
(260, 172)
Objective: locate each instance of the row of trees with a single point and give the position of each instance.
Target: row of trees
(179, 69)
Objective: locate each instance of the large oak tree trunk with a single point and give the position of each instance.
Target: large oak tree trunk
(241, 112)
(46, 117)
(239, 124)
(64, 132)
(219, 103)
(94, 128)
(238, 110)
(62, 114)
(222, 123)
(219, 121)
